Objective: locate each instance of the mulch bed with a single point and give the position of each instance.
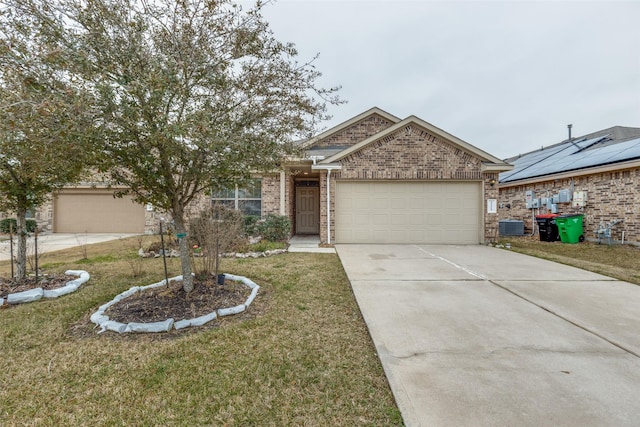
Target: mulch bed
(46, 282)
(158, 304)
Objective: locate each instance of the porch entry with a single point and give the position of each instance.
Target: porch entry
(307, 207)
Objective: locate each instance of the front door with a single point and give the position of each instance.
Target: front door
(307, 210)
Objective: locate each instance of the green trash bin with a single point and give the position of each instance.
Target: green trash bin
(570, 228)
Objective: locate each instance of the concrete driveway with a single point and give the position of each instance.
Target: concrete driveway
(49, 242)
(476, 336)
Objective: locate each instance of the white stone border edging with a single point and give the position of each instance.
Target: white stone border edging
(105, 324)
(264, 254)
(176, 254)
(38, 293)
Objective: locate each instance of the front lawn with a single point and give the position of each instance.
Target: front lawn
(619, 261)
(301, 354)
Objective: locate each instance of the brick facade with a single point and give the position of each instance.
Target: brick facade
(411, 153)
(611, 195)
(323, 208)
(358, 132)
(491, 220)
(271, 194)
(43, 216)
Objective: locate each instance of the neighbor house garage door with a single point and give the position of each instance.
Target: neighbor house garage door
(408, 212)
(96, 211)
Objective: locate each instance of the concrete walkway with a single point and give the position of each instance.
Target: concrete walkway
(308, 243)
(477, 336)
(49, 242)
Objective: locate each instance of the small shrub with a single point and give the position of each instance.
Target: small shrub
(212, 233)
(8, 224)
(276, 228)
(135, 261)
(250, 225)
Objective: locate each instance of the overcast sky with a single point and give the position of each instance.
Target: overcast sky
(506, 77)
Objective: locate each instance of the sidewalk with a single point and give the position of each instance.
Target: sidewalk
(49, 242)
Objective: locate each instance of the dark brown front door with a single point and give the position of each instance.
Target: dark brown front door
(307, 210)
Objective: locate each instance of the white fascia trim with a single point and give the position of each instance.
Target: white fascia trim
(486, 157)
(326, 167)
(496, 167)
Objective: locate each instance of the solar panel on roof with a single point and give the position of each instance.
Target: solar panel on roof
(571, 156)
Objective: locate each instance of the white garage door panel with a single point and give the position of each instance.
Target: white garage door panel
(96, 211)
(408, 212)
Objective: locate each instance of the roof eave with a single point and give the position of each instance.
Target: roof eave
(484, 156)
(630, 164)
(326, 166)
(496, 167)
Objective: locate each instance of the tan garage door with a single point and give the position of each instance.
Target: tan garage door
(96, 211)
(408, 212)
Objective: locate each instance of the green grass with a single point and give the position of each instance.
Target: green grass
(99, 259)
(301, 354)
(619, 261)
(266, 245)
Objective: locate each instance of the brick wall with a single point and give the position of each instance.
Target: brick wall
(271, 194)
(355, 133)
(490, 219)
(323, 207)
(611, 196)
(43, 216)
(411, 153)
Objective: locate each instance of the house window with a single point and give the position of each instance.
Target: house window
(247, 199)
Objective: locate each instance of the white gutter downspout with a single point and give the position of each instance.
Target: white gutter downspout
(328, 168)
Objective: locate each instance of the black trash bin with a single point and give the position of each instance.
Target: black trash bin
(547, 227)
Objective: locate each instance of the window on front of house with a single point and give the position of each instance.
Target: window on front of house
(247, 199)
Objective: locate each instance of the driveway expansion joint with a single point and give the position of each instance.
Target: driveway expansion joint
(495, 352)
(566, 319)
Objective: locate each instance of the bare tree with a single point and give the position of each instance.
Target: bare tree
(214, 232)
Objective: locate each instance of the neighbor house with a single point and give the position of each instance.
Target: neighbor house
(596, 175)
(375, 178)
(90, 207)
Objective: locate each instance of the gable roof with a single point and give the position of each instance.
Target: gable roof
(490, 162)
(616, 145)
(352, 121)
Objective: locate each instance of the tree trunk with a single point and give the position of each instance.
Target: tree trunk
(21, 255)
(185, 260)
